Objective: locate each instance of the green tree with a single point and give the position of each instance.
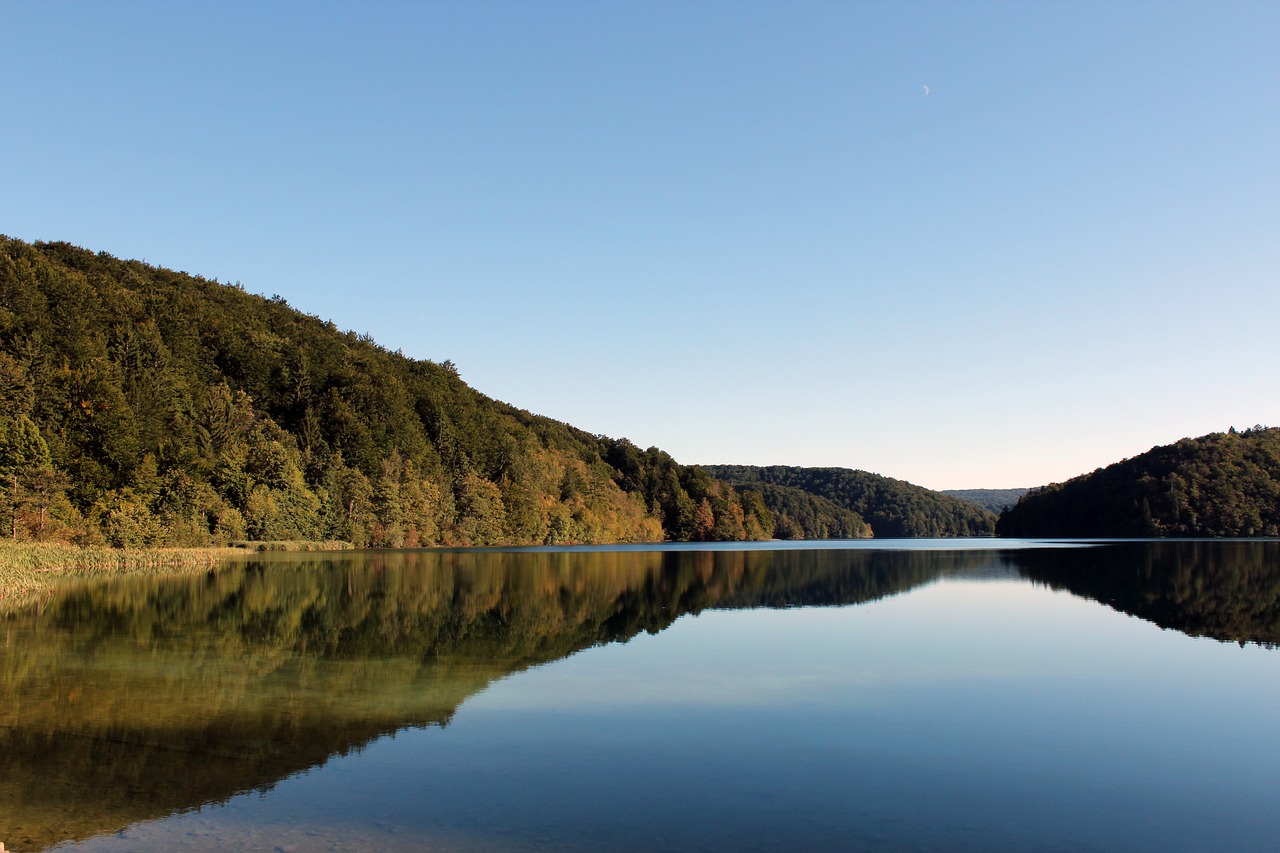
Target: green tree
(225, 413)
(27, 476)
(481, 515)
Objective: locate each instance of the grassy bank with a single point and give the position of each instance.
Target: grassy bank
(30, 569)
(293, 545)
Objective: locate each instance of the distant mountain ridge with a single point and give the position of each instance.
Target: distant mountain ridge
(1221, 484)
(893, 508)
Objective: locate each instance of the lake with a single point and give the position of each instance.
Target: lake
(872, 695)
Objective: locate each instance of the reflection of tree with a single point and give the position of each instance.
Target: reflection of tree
(1229, 591)
(139, 697)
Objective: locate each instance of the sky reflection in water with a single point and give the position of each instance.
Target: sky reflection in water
(952, 714)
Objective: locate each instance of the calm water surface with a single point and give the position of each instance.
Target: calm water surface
(864, 696)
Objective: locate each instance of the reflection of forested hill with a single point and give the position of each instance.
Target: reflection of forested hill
(832, 578)
(128, 700)
(1226, 590)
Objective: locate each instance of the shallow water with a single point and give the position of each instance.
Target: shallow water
(971, 696)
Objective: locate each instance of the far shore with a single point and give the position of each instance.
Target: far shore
(31, 570)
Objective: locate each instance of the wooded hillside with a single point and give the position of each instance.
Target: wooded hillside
(798, 514)
(893, 508)
(1222, 484)
(992, 500)
(143, 406)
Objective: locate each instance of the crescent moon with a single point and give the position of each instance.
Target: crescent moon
(926, 89)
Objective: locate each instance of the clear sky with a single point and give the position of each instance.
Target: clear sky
(962, 244)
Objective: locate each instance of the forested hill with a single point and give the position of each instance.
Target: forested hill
(798, 514)
(1222, 484)
(894, 508)
(992, 500)
(143, 406)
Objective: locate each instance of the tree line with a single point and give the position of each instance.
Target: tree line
(893, 508)
(143, 406)
(1221, 484)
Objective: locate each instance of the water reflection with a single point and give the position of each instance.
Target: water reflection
(1227, 590)
(135, 699)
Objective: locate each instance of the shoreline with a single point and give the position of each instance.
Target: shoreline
(30, 571)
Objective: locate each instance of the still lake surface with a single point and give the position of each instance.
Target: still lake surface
(922, 695)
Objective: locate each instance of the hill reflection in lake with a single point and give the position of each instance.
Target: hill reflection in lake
(1227, 590)
(135, 699)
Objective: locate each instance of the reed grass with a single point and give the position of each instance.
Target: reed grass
(31, 570)
(294, 545)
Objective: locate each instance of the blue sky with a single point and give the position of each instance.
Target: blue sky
(743, 232)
